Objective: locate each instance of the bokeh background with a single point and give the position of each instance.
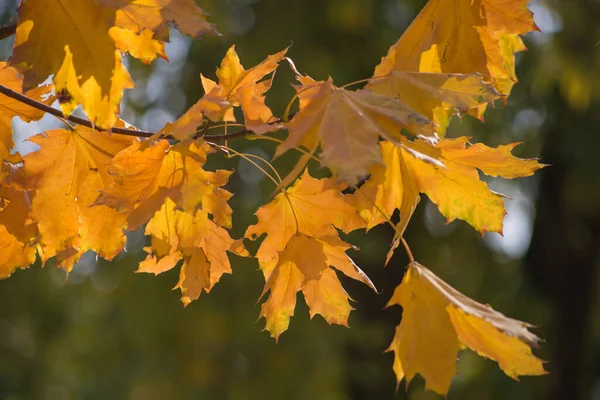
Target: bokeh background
(108, 333)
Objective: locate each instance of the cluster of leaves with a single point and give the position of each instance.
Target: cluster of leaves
(99, 178)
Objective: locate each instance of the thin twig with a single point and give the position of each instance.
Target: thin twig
(8, 30)
(116, 130)
(227, 136)
(57, 113)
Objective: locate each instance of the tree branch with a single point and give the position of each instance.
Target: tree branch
(8, 30)
(228, 136)
(57, 113)
(116, 130)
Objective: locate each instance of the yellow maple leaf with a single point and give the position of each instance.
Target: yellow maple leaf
(434, 95)
(13, 254)
(391, 186)
(311, 206)
(66, 175)
(192, 237)
(241, 88)
(145, 176)
(300, 245)
(142, 25)
(211, 105)
(81, 48)
(100, 106)
(83, 54)
(463, 36)
(158, 15)
(10, 108)
(445, 170)
(347, 124)
(437, 321)
(304, 265)
(141, 46)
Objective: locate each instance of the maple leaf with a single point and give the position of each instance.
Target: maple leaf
(211, 105)
(436, 96)
(451, 182)
(347, 124)
(311, 206)
(18, 234)
(66, 175)
(141, 46)
(83, 53)
(80, 48)
(437, 321)
(304, 265)
(391, 186)
(145, 176)
(300, 245)
(195, 239)
(241, 88)
(463, 36)
(158, 15)
(10, 108)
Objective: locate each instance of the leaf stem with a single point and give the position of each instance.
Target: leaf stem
(408, 252)
(276, 140)
(247, 157)
(362, 81)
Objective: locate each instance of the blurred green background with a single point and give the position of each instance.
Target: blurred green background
(107, 333)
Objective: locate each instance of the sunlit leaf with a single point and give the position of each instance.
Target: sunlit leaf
(66, 175)
(437, 321)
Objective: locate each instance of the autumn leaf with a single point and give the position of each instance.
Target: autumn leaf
(314, 207)
(453, 183)
(463, 36)
(66, 175)
(80, 48)
(10, 108)
(158, 15)
(391, 186)
(141, 46)
(304, 265)
(436, 96)
(101, 107)
(145, 176)
(83, 53)
(437, 321)
(195, 239)
(347, 124)
(241, 88)
(211, 106)
(300, 246)
(18, 234)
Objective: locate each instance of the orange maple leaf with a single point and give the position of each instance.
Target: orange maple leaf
(145, 176)
(66, 175)
(18, 234)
